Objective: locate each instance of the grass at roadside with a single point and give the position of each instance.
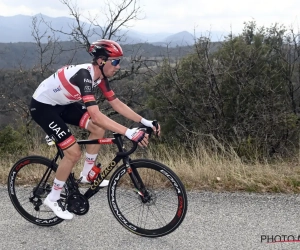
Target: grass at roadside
(199, 169)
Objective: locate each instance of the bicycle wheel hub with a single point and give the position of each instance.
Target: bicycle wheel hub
(150, 198)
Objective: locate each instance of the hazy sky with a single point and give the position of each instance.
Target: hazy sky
(174, 15)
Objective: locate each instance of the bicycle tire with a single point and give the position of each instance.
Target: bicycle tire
(125, 202)
(21, 180)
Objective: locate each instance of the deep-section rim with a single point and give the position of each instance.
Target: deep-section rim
(12, 194)
(133, 228)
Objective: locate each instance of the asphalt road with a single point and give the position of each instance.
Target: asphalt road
(214, 221)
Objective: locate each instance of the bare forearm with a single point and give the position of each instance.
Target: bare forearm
(125, 111)
(107, 123)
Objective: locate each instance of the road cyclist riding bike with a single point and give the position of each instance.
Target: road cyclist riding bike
(145, 196)
(58, 101)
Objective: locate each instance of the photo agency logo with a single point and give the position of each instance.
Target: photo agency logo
(279, 238)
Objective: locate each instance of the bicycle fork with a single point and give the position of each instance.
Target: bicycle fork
(137, 182)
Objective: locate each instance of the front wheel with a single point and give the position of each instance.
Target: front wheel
(155, 206)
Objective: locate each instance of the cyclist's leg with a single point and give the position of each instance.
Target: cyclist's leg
(49, 118)
(76, 114)
(51, 121)
(82, 119)
(96, 132)
(92, 150)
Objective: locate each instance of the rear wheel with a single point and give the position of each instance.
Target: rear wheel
(156, 207)
(29, 182)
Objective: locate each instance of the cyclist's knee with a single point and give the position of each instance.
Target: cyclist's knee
(96, 130)
(73, 153)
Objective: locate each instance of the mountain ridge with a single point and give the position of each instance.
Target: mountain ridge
(19, 28)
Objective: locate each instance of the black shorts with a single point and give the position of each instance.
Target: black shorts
(53, 120)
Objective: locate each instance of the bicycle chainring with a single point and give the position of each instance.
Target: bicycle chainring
(77, 204)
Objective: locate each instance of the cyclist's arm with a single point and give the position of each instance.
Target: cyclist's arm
(83, 80)
(127, 112)
(106, 90)
(105, 122)
(124, 110)
(116, 103)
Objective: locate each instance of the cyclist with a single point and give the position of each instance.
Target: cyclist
(58, 101)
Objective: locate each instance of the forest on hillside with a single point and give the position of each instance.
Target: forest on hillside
(242, 93)
(16, 56)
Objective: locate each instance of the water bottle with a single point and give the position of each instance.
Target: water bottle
(94, 172)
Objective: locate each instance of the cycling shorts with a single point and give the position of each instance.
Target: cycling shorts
(53, 120)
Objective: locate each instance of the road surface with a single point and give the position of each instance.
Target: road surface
(214, 221)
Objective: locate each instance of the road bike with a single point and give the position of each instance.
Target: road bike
(145, 196)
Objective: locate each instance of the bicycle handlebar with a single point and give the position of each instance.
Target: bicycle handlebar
(148, 131)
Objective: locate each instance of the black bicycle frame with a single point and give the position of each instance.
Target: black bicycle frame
(121, 155)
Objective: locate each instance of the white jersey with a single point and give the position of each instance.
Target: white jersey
(70, 84)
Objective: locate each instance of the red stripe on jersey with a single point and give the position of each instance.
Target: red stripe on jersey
(88, 98)
(106, 90)
(70, 97)
(67, 143)
(67, 85)
(84, 119)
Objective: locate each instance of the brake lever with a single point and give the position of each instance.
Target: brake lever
(155, 124)
(149, 130)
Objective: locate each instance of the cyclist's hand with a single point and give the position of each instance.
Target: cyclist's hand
(152, 124)
(137, 135)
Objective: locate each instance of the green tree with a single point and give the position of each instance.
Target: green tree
(245, 94)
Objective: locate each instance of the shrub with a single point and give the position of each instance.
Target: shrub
(11, 141)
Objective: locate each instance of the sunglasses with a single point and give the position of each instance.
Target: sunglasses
(115, 62)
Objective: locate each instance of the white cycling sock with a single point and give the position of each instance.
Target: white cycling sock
(89, 163)
(56, 190)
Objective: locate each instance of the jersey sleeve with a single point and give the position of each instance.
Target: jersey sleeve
(83, 80)
(106, 90)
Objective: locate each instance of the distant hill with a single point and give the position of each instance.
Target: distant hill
(183, 38)
(19, 29)
(26, 55)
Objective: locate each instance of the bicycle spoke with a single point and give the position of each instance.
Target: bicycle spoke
(156, 206)
(141, 217)
(156, 216)
(162, 223)
(28, 187)
(131, 209)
